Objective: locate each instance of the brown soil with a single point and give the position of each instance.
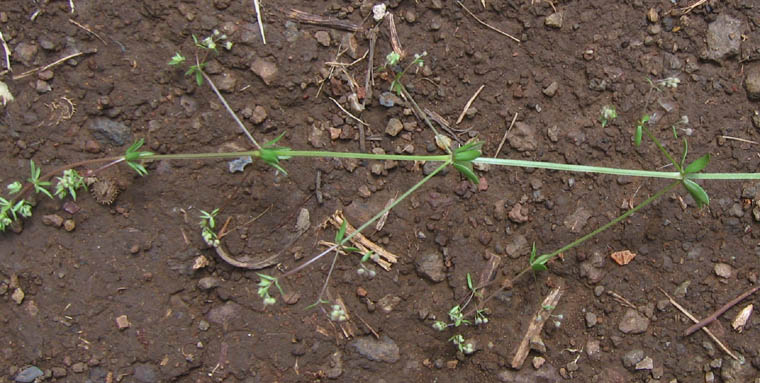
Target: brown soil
(135, 256)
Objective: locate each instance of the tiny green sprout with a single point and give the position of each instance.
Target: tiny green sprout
(337, 313)
(4, 222)
(133, 155)
(547, 307)
(265, 284)
(480, 317)
(439, 325)
(14, 187)
(272, 154)
(462, 159)
(464, 347)
(392, 59)
(24, 208)
(608, 114)
(456, 316)
(227, 45)
(39, 186)
(640, 129)
(537, 263)
(207, 225)
(69, 183)
(177, 59)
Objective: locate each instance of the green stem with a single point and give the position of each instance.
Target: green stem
(373, 219)
(662, 148)
(298, 153)
(546, 257)
(577, 168)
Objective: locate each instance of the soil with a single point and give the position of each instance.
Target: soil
(135, 257)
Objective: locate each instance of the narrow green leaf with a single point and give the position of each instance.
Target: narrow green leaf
(685, 150)
(696, 191)
(537, 264)
(199, 77)
(341, 232)
(469, 281)
(637, 136)
(698, 164)
(467, 172)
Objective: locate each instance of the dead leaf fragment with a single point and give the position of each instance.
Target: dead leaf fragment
(623, 258)
(742, 318)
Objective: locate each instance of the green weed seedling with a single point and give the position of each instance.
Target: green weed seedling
(463, 346)
(608, 114)
(392, 60)
(265, 283)
(207, 224)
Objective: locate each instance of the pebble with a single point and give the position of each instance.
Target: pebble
(723, 38)
(79, 367)
(42, 86)
(382, 350)
(593, 347)
(430, 166)
(723, 270)
(388, 99)
(538, 361)
(266, 70)
(752, 85)
(69, 225)
(188, 104)
(645, 364)
(431, 266)
(203, 325)
(107, 130)
(53, 220)
(225, 82)
(394, 127)
(631, 358)
(537, 344)
(323, 38)
(25, 52)
(598, 290)
(633, 322)
(756, 115)
(577, 220)
(303, 222)
(551, 90)
(653, 16)
(590, 319)
(410, 16)
(29, 374)
(92, 146)
(18, 295)
(388, 303)
(145, 373)
(59, 372)
(224, 313)
(522, 137)
(554, 20)
(208, 283)
(122, 322)
(518, 214)
(517, 246)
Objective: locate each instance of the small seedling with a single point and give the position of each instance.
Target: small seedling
(337, 314)
(207, 224)
(69, 183)
(265, 284)
(480, 316)
(133, 155)
(608, 114)
(392, 60)
(457, 316)
(463, 346)
(39, 185)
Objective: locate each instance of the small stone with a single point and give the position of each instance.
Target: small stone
(518, 214)
(709, 377)
(723, 270)
(752, 85)
(323, 38)
(25, 52)
(29, 374)
(291, 297)
(303, 222)
(537, 344)
(598, 291)
(452, 364)
(79, 367)
(551, 90)
(653, 16)
(53, 220)
(756, 114)
(208, 283)
(92, 146)
(410, 16)
(577, 220)
(593, 347)
(388, 303)
(379, 350)
(259, 115)
(522, 137)
(107, 130)
(394, 127)
(42, 87)
(682, 289)
(134, 249)
(145, 373)
(46, 75)
(590, 319)
(538, 361)
(554, 20)
(225, 82)
(431, 266)
(723, 38)
(633, 322)
(364, 191)
(645, 364)
(631, 358)
(69, 225)
(122, 322)
(203, 325)
(266, 70)
(18, 295)
(517, 246)
(59, 372)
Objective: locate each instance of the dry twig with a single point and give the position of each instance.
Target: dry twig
(688, 9)
(535, 326)
(347, 112)
(486, 25)
(258, 18)
(469, 103)
(504, 139)
(308, 18)
(395, 42)
(54, 63)
(695, 320)
(385, 259)
(7, 53)
(720, 311)
(88, 30)
(739, 139)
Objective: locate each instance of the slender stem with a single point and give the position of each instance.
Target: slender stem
(662, 148)
(369, 222)
(227, 106)
(297, 153)
(420, 112)
(724, 176)
(577, 168)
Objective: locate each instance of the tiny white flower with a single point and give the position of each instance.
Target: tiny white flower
(378, 12)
